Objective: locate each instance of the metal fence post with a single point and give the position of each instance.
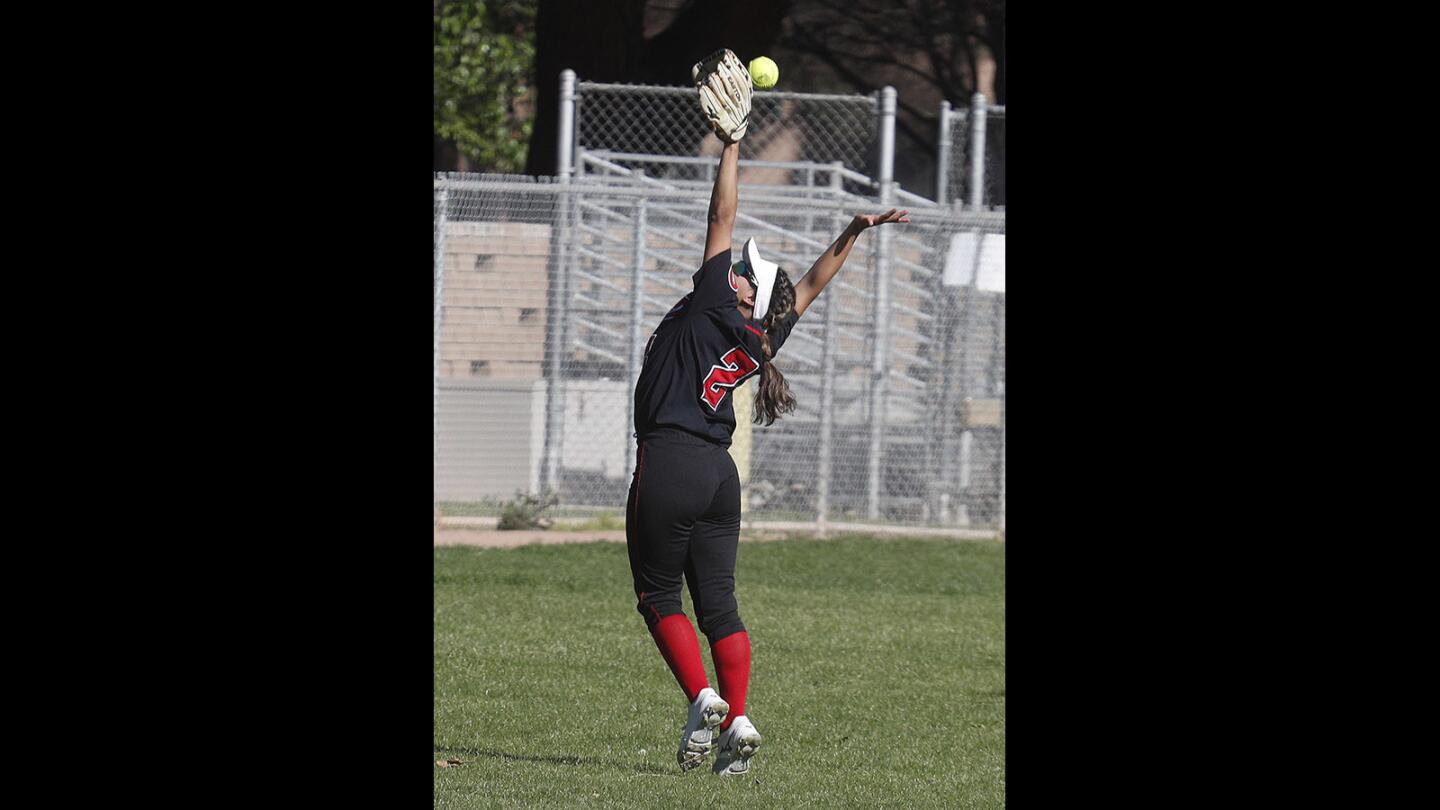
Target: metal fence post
(878, 365)
(566, 138)
(442, 205)
(942, 158)
(559, 289)
(978, 115)
(637, 315)
(827, 415)
(825, 455)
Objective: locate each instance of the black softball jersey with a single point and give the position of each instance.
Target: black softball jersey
(702, 350)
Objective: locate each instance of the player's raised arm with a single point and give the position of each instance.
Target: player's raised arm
(825, 267)
(720, 223)
(723, 87)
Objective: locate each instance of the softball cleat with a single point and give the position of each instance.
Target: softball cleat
(737, 744)
(707, 712)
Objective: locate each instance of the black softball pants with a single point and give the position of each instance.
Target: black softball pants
(682, 519)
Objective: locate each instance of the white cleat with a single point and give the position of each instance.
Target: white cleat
(698, 739)
(737, 744)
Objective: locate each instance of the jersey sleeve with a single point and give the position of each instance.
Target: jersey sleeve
(714, 286)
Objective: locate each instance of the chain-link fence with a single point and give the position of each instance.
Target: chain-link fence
(660, 130)
(960, 139)
(546, 292)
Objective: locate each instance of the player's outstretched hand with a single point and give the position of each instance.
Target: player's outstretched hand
(864, 221)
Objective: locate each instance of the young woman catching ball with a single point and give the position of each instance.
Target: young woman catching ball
(683, 512)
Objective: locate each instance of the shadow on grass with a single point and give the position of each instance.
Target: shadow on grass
(589, 762)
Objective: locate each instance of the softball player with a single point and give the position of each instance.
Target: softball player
(683, 511)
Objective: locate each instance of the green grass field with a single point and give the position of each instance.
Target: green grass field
(878, 678)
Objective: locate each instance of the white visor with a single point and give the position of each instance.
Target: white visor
(765, 275)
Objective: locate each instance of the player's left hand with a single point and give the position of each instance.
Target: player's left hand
(863, 221)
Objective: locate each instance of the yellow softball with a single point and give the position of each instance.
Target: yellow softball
(764, 72)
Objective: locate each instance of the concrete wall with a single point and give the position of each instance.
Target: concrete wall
(491, 438)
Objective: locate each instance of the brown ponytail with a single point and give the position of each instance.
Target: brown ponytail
(772, 395)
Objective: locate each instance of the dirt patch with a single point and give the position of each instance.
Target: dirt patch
(493, 538)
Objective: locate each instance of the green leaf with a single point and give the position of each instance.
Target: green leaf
(482, 68)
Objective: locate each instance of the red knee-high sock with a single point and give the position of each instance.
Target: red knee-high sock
(732, 669)
(676, 640)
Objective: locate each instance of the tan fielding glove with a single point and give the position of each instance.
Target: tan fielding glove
(725, 87)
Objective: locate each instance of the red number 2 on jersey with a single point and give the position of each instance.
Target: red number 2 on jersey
(735, 366)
